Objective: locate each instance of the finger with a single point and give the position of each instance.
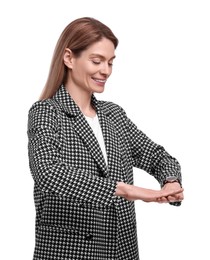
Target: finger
(167, 193)
(175, 198)
(179, 197)
(162, 200)
(171, 199)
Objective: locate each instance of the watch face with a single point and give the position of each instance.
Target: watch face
(171, 178)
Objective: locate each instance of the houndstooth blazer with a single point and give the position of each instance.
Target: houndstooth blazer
(77, 214)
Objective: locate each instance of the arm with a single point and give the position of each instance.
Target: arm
(49, 170)
(131, 192)
(153, 159)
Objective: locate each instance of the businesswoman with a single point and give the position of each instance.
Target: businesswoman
(82, 152)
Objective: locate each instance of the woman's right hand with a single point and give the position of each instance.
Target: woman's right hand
(131, 192)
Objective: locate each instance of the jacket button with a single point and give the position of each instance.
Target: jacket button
(88, 237)
(101, 174)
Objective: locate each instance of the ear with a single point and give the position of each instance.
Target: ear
(68, 58)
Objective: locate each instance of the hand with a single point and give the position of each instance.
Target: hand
(172, 197)
(131, 192)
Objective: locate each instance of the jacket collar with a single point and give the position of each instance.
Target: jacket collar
(68, 104)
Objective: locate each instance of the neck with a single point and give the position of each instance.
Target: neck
(82, 99)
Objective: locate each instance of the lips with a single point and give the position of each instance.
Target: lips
(100, 80)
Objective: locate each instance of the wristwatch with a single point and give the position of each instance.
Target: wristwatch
(171, 179)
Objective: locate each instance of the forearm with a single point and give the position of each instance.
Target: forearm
(63, 180)
(131, 192)
(151, 157)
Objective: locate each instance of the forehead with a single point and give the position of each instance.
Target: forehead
(103, 48)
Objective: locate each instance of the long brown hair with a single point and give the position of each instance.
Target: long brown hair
(77, 36)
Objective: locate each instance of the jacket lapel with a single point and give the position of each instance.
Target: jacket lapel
(112, 144)
(82, 127)
(86, 134)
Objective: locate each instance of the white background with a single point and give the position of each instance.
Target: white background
(160, 77)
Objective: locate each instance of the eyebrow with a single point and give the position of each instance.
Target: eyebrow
(101, 56)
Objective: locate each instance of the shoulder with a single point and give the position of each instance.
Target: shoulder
(42, 112)
(42, 106)
(109, 107)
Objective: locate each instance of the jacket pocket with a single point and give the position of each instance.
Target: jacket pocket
(57, 243)
(80, 217)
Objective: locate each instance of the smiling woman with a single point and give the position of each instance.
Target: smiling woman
(76, 37)
(82, 152)
(88, 72)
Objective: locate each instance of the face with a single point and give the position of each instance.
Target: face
(90, 71)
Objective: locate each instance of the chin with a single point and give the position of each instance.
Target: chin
(99, 90)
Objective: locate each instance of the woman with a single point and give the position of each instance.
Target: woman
(82, 152)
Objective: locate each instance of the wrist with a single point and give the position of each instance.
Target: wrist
(171, 179)
(121, 189)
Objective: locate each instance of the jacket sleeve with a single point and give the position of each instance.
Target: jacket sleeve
(49, 170)
(149, 156)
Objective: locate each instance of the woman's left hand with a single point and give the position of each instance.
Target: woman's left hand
(171, 198)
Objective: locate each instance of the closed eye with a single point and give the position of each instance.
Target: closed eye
(96, 62)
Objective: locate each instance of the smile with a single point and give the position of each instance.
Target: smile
(100, 80)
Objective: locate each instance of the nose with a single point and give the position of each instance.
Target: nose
(106, 69)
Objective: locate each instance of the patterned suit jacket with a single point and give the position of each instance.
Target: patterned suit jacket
(77, 214)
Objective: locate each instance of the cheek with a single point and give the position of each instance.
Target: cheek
(90, 68)
(110, 72)
(84, 69)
